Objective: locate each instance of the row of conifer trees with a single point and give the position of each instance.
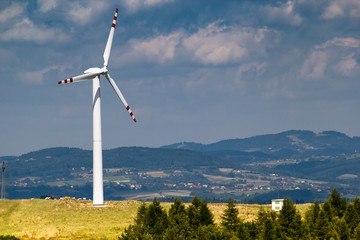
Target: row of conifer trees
(336, 218)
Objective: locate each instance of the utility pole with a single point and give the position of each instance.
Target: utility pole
(3, 181)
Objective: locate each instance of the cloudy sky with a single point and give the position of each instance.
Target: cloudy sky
(199, 71)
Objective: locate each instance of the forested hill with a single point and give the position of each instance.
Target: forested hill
(292, 160)
(285, 144)
(61, 160)
(224, 154)
(227, 153)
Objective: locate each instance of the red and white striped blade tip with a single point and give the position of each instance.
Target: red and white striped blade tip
(115, 18)
(69, 80)
(131, 113)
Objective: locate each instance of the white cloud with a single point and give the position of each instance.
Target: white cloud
(283, 15)
(315, 65)
(37, 77)
(156, 2)
(258, 68)
(341, 8)
(81, 12)
(212, 45)
(26, 30)
(46, 5)
(217, 44)
(135, 5)
(19, 27)
(161, 48)
(33, 77)
(340, 42)
(14, 10)
(344, 49)
(248, 74)
(346, 65)
(333, 10)
(326, 56)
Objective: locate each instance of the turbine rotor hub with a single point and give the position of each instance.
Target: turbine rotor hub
(97, 70)
(93, 70)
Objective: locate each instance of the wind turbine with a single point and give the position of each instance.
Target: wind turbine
(94, 74)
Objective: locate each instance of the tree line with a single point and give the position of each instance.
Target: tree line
(335, 219)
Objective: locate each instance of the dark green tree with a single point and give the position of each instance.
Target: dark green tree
(136, 231)
(290, 221)
(356, 203)
(264, 215)
(194, 212)
(208, 232)
(357, 232)
(337, 203)
(206, 216)
(230, 218)
(313, 213)
(322, 222)
(150, 223)
(322, 225)
(312, 216)
(269, 230)
(141, 215)
(8, 237)
(199, 213)
(326, 224)
(268, 225)
(253, 229)
(342, 229)
(242, 232)
(179, 227)
(328, 211)
(156, 220)
(351, 217)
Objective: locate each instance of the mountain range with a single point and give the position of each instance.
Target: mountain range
(285, 144)
(246, 168)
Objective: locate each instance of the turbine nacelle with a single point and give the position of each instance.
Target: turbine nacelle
(97, 70)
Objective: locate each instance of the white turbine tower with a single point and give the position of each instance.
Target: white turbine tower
(94, 74)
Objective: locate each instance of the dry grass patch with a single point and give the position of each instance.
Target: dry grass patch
(66, 219)
(157, 174)
(218, 179)
(78, 219)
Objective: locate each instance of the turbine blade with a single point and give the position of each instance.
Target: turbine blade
(109, 41)
(117, 90)
(86, 76)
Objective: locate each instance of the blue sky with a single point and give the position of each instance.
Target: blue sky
(199, 71)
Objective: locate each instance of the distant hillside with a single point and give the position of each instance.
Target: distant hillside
(248, 169)
(158, 158)
(5, 158)
(334, 169)
(286, 144)
(328, 156)
(59, 162)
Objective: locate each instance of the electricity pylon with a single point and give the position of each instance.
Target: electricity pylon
(3, 182)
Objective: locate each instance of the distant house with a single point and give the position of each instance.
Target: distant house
(276, 204)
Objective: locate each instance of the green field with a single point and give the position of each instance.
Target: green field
(76, 219)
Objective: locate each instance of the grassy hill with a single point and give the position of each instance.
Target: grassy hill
(76, 219)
